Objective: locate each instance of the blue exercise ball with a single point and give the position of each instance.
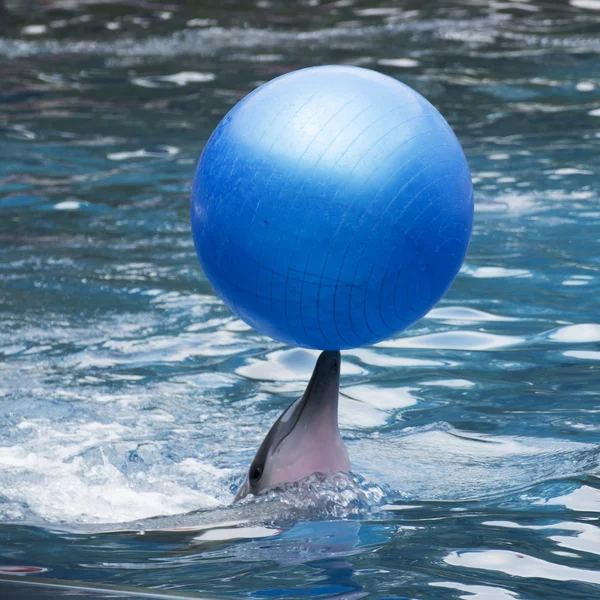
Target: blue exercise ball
(332, 207)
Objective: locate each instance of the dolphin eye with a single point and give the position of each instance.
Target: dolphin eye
(255, 473)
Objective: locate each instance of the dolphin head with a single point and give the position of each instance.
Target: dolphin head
(306, 438)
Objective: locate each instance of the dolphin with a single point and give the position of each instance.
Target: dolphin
(305, 439)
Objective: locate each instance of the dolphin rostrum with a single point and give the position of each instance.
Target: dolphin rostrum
(306, 438)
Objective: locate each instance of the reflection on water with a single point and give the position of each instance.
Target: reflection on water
(520, 565)
(128, 391)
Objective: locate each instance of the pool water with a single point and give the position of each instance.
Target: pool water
(129, 391)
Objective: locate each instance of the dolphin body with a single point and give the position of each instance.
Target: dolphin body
(304, 440)
(306, 437)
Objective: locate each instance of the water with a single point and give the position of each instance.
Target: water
(128, 391)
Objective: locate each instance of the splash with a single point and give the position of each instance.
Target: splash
(325, 495)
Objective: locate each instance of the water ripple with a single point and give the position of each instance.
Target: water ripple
(128, 390)
(520, 565)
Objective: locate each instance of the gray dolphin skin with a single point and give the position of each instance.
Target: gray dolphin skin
(306, 437)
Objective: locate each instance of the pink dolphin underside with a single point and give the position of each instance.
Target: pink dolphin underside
(306, 437)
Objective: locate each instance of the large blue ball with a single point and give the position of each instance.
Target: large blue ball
(332, 207)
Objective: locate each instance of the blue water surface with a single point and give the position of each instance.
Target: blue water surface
(129, 391)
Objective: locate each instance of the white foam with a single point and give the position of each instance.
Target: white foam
(57, 486)
(62, 473)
